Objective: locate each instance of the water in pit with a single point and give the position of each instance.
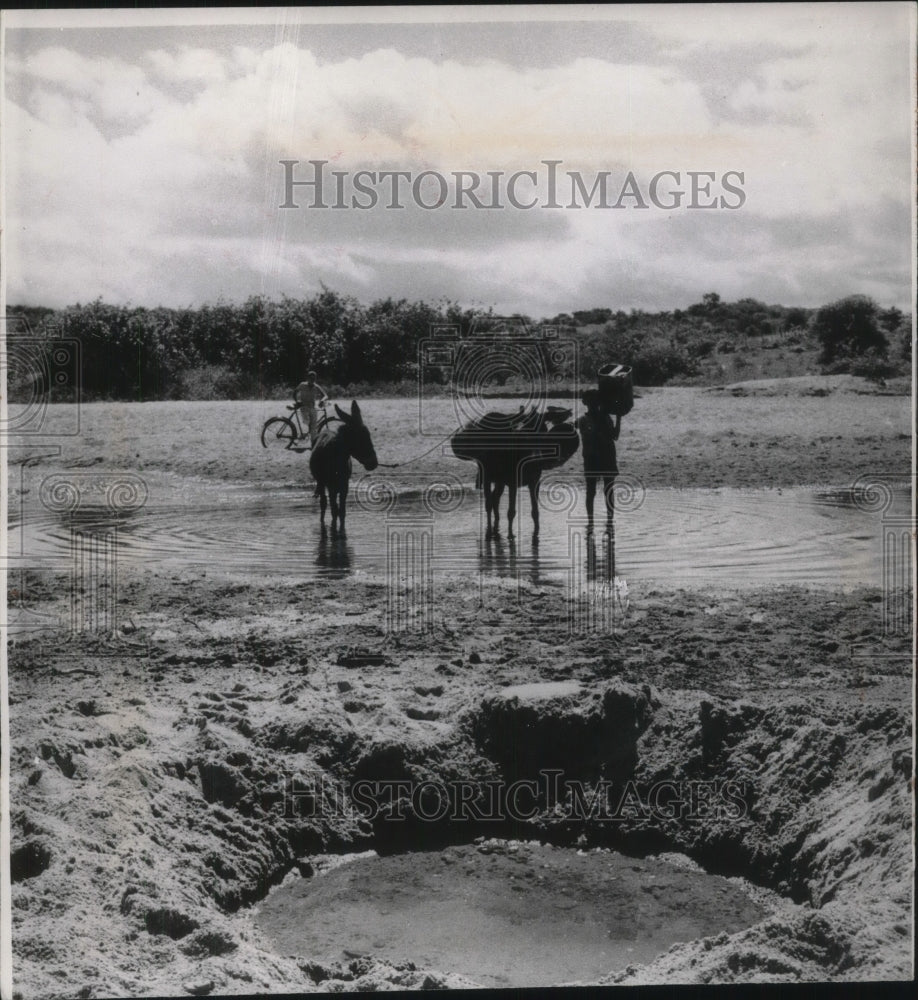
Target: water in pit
(506, 914)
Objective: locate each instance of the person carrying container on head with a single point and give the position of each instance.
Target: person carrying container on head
(598, 434)
(308, 395)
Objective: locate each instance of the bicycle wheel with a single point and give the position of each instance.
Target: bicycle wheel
(278, 433)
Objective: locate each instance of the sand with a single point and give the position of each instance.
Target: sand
(154, 767)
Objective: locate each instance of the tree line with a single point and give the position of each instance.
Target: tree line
(852, 335)
(261, 347)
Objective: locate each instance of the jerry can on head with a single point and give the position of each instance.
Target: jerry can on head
(616, 389)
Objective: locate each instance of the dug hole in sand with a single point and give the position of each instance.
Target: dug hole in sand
(167, 778)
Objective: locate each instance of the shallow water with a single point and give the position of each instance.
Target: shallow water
(721, 537)
(527, 915)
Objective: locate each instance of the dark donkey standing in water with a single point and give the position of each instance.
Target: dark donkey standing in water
(513, 450)
(330, 461)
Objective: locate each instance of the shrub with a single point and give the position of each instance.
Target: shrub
(906, 344)
(209, 382)
(849, 327)
(873, 366)
(656, 362)
(796, 317)
(701, 348)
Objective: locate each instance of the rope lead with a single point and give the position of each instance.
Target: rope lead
(417, 458)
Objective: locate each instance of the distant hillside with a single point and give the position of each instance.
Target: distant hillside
(715, 342)
(732, 359)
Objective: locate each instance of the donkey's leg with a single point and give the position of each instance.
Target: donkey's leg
(342, 505)
(487, 486)
(333, 499)
(497, 493)
(322, 503)
(534, 504)
(511, 507)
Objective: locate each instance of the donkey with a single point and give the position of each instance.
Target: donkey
(513, 450)
(330, 461)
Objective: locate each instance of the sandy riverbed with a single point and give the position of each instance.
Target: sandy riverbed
(152, 766)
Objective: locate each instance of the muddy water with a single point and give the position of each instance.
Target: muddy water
(729, 537)
(518, 915)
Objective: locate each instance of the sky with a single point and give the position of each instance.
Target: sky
(141, 161)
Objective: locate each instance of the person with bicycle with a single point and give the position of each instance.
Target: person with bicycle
(308, 395)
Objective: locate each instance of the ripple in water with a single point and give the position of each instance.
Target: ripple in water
(726, 537)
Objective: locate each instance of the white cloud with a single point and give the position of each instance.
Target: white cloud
(157, 180)
(115, 89)
(195, 65)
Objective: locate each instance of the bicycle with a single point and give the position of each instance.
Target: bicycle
(283, 433)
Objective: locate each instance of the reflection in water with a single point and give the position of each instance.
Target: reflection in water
(844, 497)
(501, 557)
(723, 537)
(535, 577)
(601, 568)
(497, 555)
(598, 595)
(333, 554)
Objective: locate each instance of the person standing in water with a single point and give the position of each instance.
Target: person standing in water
(598, 434)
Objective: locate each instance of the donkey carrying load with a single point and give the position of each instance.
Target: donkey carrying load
(512, 450)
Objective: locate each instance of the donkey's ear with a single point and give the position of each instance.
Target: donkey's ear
(355, 410)
(341, 413)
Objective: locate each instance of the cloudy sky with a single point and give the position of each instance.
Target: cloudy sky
(141, 161)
